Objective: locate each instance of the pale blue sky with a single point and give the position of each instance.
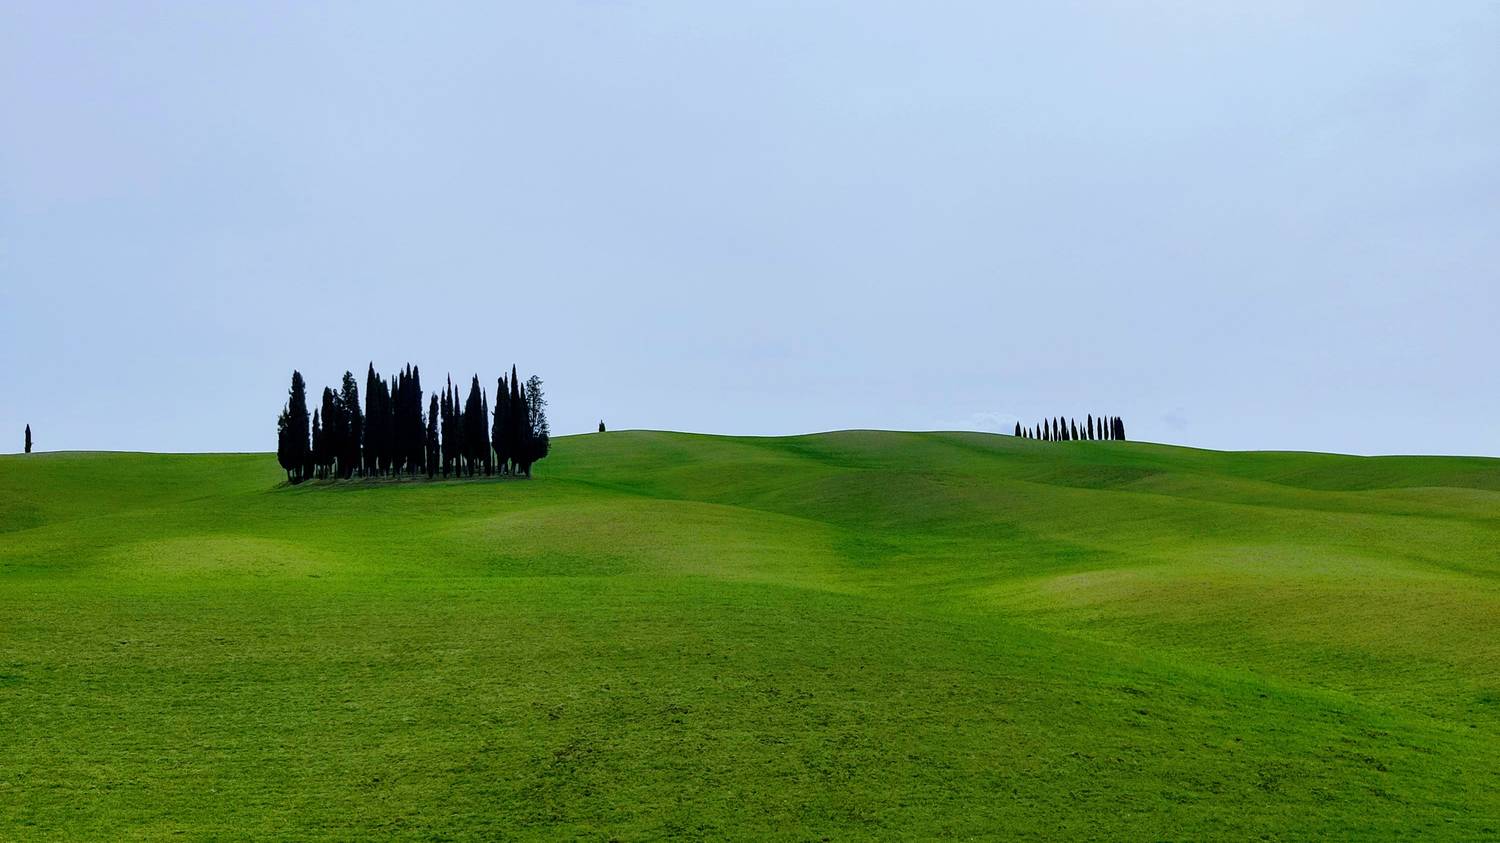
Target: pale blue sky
(1239, 225)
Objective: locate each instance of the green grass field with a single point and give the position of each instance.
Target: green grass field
(849, 635)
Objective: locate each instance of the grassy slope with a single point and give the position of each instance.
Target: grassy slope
(851, 634)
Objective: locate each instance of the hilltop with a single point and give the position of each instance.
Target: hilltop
(852, 634)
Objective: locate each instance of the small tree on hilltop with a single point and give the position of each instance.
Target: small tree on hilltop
(283, 412)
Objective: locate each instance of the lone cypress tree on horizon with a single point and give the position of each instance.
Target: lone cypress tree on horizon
(28, 436)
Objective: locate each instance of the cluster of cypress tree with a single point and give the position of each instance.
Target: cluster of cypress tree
(1063, 430)
(393, 436)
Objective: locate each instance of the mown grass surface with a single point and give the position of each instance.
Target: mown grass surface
(849, 635)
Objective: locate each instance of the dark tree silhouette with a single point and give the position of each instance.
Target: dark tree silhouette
(374, 438)
(515, 423)
(538, 434)
(284, 453)
(499, 424)
(334, 430)
(601, 425)
(298, 451)
(449, 443)
(433, 454)
(432, 450)
(1073, 426)
(28, 434)
(317, 443)
(488, 455)
(1017, 433)
(475, 437)
(354, 435)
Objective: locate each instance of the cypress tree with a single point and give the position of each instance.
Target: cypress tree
(601, 425)
(28, 434)
(283, 442)
(317, 442)
(538, 434)
(395, 446)
(1120, 423)
(432, 437)
(447, 427)
(1017, 433)
(297, 429)
(1091, 426)
(474, 424)
(415, 421)
(515, 424)
(499, 425)
(372, 431)
(459, 449)
(332, 438)
(486, 452)
(1073, 426)
(354, 443)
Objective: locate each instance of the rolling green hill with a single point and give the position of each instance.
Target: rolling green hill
(847, 635)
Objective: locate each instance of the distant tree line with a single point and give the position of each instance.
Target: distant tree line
(393, 435)
(1062, 430)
